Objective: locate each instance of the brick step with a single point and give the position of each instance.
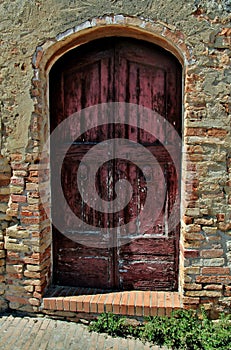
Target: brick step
(129, 303)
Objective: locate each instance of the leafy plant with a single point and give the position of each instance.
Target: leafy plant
(184, 330)
(111, 324)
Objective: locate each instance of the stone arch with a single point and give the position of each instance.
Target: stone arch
(157, 33)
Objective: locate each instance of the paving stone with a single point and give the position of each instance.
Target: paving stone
(46, 335)
(43, 333)
(16, 333)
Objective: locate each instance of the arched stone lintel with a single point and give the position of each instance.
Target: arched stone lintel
(158, 33)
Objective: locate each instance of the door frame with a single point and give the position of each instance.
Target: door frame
(143, 57)
(47, 54)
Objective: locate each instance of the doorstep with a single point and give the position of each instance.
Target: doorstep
(96, 301)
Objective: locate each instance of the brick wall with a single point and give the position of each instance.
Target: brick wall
(33, 37)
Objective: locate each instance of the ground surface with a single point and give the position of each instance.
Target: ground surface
(40, 333)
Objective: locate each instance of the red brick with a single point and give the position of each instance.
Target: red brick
(66, 304)
(17, 181)
(15, 299)
(116, 303)
(195, 132)
(86, 303)
(73, 304)
(177, 301)
(220, 133)
(31, 261)
(37, 295)
(46, 304)
(224, 226)
(33, 173)
(191, 253)
(93, 304)
(4, 182)
(28, 221)
(139, 303)
(4, 176)
(131, 303)
(2, 278)
(153, 301)
(4, 198)
(41, 288)
(169, 303)
(79, 300)
(26, 213)
(13, 255)
(59, 303)
(101, 303)
(108, 303)
(187, 220)
(52, 304)
(212, 253)
(19, 166)
(228, 291)
(214, 279)
(220, 217)
(215, 270)
(18, 198)
(15, 276)
(189, 300)
(123, 303)
(147, 296)
(33, 179)
(161, 304)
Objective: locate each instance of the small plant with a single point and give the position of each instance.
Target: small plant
(111, 324)
(220, 334)
(184, 330)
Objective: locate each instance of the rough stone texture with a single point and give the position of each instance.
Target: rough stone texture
(200, 30)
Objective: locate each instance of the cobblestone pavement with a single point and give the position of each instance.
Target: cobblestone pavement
(40, 333)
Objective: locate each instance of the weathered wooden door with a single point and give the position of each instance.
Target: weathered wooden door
(117, 70)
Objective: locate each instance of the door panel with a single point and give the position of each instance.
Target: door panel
(118, 70)
(80, 83)
(148, 78)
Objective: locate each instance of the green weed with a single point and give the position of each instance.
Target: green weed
(184, 330)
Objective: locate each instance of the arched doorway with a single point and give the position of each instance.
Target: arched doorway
(116, 70)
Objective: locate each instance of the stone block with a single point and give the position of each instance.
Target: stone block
(203, 293)
(193, 212)
(34, 301)
(214, 262)
(31, 274)
(16, 247)
(14, 268)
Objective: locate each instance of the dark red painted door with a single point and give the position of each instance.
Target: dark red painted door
(117, 70)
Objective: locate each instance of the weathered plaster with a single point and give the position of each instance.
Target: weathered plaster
(33, 35)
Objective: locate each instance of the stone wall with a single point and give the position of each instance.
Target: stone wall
(199, 33)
